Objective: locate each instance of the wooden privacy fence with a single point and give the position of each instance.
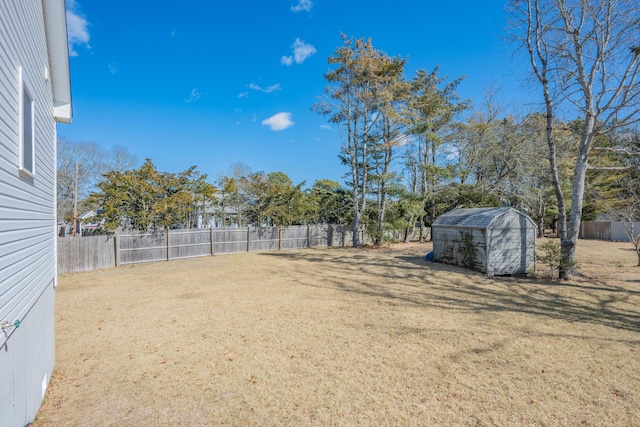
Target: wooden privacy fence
(135, 248)
(95, 252)
(85, 253)
(610, 231)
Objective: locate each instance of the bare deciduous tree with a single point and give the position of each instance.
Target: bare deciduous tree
(584, 54)
(80, 166)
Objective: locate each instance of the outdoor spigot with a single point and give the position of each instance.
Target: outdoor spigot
(8, 324)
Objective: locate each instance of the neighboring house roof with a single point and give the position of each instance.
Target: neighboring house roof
(474, 217)
(87, 215)
(55, 22)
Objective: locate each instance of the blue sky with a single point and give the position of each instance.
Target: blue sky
(212, 83)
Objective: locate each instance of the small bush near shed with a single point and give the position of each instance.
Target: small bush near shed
(551, 256)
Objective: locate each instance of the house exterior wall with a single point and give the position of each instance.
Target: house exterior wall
(461, 246)
(27, 217)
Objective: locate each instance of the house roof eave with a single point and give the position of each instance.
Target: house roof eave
(55, 21)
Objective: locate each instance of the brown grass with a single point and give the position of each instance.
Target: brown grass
(347, 337)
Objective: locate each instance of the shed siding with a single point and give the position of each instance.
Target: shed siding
(512, 251)
(512, 244)
(465, 247)
(493, 241)
(27, 217)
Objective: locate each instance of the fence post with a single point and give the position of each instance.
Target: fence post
(116, 247)
(280, 238)
(211, 236)
(168, 246)
(248, 237)
(308, 235)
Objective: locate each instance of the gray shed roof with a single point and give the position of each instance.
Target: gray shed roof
(474, 217)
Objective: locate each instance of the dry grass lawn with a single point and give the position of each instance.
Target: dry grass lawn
(347, 337)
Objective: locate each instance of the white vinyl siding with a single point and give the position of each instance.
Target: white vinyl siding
(30, 30)
(27, 199)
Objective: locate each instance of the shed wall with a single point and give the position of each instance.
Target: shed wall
(27, 217)
(465, 247)
(512, 252)
(512, 245)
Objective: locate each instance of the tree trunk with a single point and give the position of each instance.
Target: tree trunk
(434, 182)
(422, 219)
(238, 214)
(562, 210)
(75, 203)
(381, 209)
(409, 232)
(356, 230)
(541, 226)
(570, 240)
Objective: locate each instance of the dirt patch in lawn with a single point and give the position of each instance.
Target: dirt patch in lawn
(347, 337)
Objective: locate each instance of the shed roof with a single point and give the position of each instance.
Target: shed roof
(474, 217)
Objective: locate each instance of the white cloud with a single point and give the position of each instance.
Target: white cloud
(301, 51)
(243, 94)
(195, 95)
(325, 127)
(77, 28)
(280, 121)
(302, 6)
(112, 68)
(269, 89)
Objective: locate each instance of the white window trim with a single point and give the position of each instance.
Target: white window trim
(23, 86)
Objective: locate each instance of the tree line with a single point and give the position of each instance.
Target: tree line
(413, 149)
(145, 199)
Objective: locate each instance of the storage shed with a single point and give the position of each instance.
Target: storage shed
(495, 241)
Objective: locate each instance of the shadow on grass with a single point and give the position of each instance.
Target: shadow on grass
(401, 279)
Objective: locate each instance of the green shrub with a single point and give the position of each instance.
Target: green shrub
(552, 257)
